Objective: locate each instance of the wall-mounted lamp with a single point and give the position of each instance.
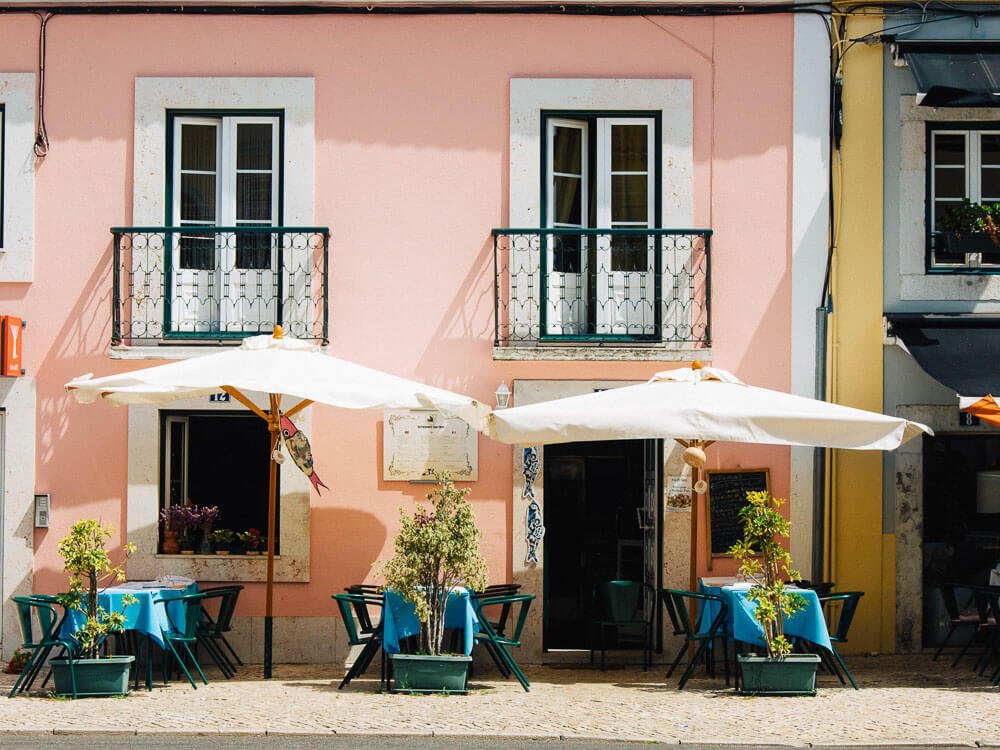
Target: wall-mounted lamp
(503, 395)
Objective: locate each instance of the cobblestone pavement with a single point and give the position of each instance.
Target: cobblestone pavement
(903, 700)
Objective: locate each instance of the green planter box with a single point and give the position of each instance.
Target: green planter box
(413, 673)
(794, 674)
(107, 676)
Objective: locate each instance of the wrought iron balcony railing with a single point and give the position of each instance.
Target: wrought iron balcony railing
(202, 282)
(602, 285)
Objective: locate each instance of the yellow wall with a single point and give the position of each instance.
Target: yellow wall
(860, 557)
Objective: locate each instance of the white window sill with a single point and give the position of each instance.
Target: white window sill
(170, 352)
(601, 353)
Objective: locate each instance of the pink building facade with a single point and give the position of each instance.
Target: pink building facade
(390, 146)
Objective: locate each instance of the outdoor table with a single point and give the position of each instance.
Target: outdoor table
(399, 619)
(144, 616)
(808, 623)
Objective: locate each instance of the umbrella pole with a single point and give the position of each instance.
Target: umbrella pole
(272, 488)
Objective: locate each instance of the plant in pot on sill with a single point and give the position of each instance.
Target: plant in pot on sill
(970, 227)
(221, 540)
(86, 559)
(436, 550)
(185, 520)
(766, 563)
(251, 540)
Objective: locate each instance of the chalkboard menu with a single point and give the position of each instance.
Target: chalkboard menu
(727, 494)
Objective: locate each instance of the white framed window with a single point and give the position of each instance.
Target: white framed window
(218, 458)
(601, 173)
(225, 171)
(963, 165)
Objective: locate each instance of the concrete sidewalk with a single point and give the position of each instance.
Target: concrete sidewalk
(903, 700)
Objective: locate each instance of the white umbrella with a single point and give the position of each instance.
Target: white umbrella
(276, 367)
(697, 406)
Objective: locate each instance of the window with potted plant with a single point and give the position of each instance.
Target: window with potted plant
(251, 540)
(436, 552)
(86, 559)
(766, 563)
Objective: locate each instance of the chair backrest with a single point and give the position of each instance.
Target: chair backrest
(367, 597)
(848, 606)
(223, 620)
(40, 609)
(950, 598)
(506, 601)
(346, 603)
(987, 601)
(498, 590)
(677, 603)
(622, 601)
(191, 605)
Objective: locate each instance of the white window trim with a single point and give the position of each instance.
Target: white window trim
(914, 283)
(673, 98)
(17, 92)
(144, 507)
(154, 96)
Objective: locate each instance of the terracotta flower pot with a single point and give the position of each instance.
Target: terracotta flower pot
(170, 544)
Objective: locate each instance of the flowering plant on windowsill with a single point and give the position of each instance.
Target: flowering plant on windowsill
(968, 217)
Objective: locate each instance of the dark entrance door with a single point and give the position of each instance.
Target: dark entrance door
(601, 524)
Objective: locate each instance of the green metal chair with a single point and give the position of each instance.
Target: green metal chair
(621, 606)
(40, 608)
(848, 606)
(371, 641)
(183, 633)
(677, 603)
(212, 630)
(222, 623)
(498, 645)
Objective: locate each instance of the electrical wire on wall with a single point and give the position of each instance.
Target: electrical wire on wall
(41, 134)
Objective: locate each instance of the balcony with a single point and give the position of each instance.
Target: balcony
(602, 288)
(199, 284)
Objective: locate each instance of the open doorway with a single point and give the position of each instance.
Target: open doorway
(602, 523)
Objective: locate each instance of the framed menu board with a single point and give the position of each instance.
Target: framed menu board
(727, 494)
(418, 442)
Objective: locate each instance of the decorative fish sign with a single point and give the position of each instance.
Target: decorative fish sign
(298, 448)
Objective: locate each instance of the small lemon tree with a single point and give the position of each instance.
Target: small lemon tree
(436, 549)
(767, 564)
(86, 559)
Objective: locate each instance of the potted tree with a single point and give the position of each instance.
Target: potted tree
(969, 228)
(767, 564)
(436, 551)
(86, 559)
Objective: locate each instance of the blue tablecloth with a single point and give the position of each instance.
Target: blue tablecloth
(143, 616)
(809, 623)
(399, 620)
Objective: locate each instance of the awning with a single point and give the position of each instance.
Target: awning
(960, 351)
(964, 74)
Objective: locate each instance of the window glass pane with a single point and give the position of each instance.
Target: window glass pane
(253, 146)
(567, 150)
(198, 197)
(949, 148)
(175, 461)
(567, 200)
(628, 197)
(940, 207)
(198, 252)
(198, 147)
(567, 255)
(990, 185)
(630, 254)
(628, 148)
(253, 251)
(949, 183)
(253, 197)
(990, 147)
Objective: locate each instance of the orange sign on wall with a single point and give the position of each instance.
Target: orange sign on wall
(10, 346)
